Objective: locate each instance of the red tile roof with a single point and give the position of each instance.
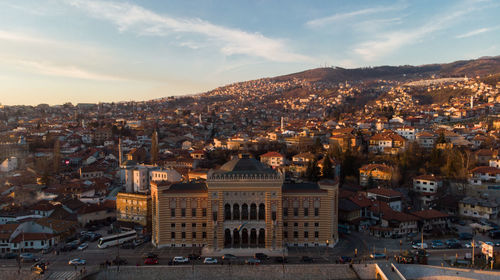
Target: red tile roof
(430, 214)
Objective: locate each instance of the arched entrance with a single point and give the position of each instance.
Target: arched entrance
(227, 238)
(262, 211)
(227, 212)
(253, 238)
(262, 238)
(236, 211)
(244, 238)
(244, 211)
(236, 239)
(253, 211)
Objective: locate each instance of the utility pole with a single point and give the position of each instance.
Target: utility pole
(473, 245)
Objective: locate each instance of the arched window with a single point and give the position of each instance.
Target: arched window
(236, 211)
(244, 238)
(244, 211)
(262, 238)
(253, 211)
(227, 212)
(262, 211)
(253, 238)
(227, 238)
(236, 238)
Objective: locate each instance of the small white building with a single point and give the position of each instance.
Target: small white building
(9, 164)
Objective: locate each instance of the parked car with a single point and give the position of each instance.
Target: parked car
(450, 241)
(454, 246)
(252, 261)
(28, 257)
(138, 242)
(261, 256)
(438, 245)
(210, 261)
(180, 260)
(48, 250)
(306, 259)
(83, 246)
(377, 255)
(10, 255)
(77, 262)
(497, 244)
(420, 245)
(150, 261)
(345, 259)
(150, 255)
(495, 234)
(229, 257)
(280, 260)
(465, 236)
(469, 245)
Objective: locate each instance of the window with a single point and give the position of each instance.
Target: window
(172, 235)
(285, 212)
(295, 211)
(295, 224)
(316, 212)
(193, 225)
(204, 224)
(316, 234)
(172, 225)
(295, 234)
(183, 212)
(204, 234)
(306, 234)
(285, 234)
(183, 225)
(306, 224)
(214, 216)
(306, 212)
(204, 212)
(193, 212)
(285, 224)
(316, 224)
(172, 212)
(194, 235)
(183, 235)
(273, 215)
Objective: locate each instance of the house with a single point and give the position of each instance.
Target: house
(273, 159)
(387, 142)
(135, 208)
(426, 187)
(433, 220)
(43, 208)
(389, 196)
(90, 172)
(484, 175)
(90, 213)
(426, 139)
(379, 173)
(303, 158)
(486, 208)
(408, 132)
(198, 154)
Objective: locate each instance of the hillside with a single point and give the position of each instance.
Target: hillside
(481, 66)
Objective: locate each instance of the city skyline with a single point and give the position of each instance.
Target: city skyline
(59, 51)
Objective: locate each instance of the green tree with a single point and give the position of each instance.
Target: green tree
(313, 171)
(327, 170)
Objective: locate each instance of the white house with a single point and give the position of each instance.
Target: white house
(9, 164)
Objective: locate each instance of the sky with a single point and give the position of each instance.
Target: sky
(58, 51)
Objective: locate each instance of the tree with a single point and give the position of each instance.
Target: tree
(312, 171)
(327, 170)
(154, 147)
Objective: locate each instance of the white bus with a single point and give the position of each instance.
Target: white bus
(117, 239)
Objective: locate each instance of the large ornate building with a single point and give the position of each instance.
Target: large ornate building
(244, 204)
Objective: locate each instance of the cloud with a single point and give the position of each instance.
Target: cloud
(319, 22)
(476, 32)
(230, 41)
(46, 68)
(386, 43)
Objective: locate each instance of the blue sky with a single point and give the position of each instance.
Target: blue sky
(56, 51)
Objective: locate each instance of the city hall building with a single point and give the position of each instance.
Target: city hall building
(244, 204)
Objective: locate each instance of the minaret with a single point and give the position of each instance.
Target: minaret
(282, 124)
(472, 102)
(199, 118)
(120, 153)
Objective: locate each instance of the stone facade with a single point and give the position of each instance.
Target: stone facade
(244, 204)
